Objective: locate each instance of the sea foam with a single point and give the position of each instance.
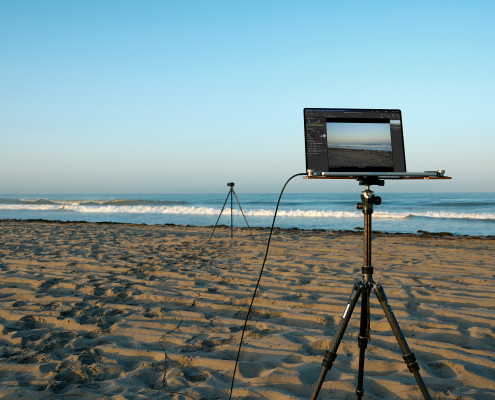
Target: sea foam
(183, 210)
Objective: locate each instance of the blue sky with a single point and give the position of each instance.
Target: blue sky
(182, 97)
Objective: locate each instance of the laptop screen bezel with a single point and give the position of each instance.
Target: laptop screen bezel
(399, 161)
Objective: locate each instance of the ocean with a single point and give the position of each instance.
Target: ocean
(458, 213)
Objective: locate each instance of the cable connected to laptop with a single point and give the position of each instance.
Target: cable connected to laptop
(258, 283)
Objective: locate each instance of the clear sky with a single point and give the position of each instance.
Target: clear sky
(358, 133)
(184, 96)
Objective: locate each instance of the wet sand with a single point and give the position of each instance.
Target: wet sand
(120, 311)
(338, 157)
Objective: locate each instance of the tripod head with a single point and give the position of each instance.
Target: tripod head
(368, 199)
(231, 184)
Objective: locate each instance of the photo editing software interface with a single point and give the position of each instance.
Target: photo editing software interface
(354, 140)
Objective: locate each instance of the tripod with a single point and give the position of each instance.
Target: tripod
(231, 192)
(363, 290)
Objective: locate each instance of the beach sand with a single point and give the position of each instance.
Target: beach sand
(338, 157)
(88, 311)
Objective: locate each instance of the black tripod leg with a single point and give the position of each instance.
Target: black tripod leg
(219, 216)
(244, 216)
(409, 357)
(331, 354)
(363, 339)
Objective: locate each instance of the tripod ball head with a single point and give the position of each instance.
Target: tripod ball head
(231, 184)
(368, 199)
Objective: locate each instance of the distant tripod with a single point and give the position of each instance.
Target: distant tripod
(363, 290)
(231, 192)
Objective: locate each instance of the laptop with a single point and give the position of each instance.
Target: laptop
(346, 141)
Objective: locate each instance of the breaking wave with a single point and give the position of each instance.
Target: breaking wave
(113, 202)
(153, 207)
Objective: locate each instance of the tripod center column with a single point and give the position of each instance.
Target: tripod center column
(368, 198)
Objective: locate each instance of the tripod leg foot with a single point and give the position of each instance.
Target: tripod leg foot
(409, 357)
(331, 354)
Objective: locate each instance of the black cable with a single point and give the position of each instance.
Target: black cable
(258, 283)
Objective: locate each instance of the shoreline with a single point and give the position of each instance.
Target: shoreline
(356, 231)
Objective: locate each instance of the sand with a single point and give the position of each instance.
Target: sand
(338, 157)
(114, 311)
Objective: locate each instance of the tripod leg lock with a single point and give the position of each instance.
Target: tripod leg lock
(328, 360)
(359, 393)
(380, 294)
(367, 270)
(362, 342)
(411, 362)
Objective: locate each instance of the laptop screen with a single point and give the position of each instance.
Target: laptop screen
(354, 140)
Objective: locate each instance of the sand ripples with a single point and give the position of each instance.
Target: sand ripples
(133, 311)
